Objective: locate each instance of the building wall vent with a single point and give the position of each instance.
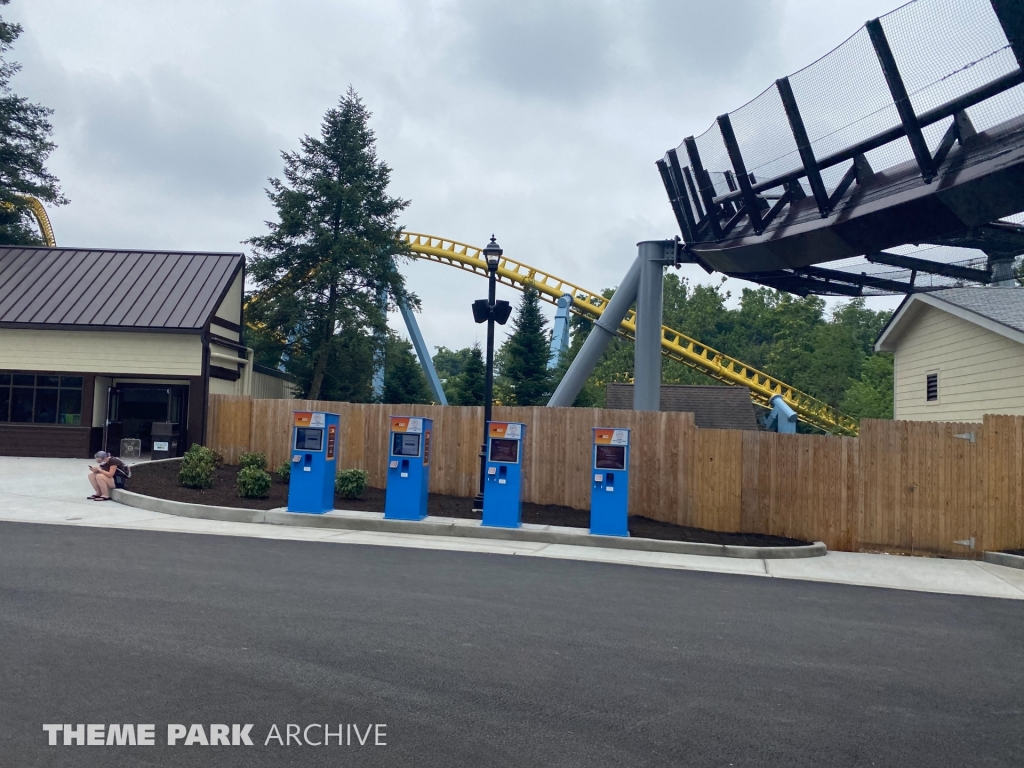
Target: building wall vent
(932, 387)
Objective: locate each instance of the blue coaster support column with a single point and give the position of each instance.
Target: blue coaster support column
(408, 482)
(314, 462)
(503, 478)
(609, 487)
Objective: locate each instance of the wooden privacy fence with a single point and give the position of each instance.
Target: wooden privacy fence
(902, 486)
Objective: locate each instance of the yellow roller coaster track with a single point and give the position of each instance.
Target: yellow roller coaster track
(674, 344)
(41, 218)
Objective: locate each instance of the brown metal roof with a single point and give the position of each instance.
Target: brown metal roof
(96, 288)
(713, 407)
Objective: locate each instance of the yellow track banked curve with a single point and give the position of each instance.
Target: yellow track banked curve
(39, 212)
(674, 344)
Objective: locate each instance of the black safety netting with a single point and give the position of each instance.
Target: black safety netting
(938, 254)
(767, 153)
(943, 49)
(918, 280)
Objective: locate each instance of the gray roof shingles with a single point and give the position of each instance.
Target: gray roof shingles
(98, 288)
(1002, 305)
(713, 407)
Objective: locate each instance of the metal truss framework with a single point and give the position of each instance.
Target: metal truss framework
(674, 345)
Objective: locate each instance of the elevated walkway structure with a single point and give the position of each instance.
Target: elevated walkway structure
(897, 160)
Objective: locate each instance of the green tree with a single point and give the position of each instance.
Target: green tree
(469, 384)
(321, 270)
(25, 145)
(524, 356)
(347, 379)
(871, 396)
(449, 364)
(404, 381)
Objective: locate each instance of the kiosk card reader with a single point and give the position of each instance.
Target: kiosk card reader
(405, 497)
(609, 489)
(314, 462)
(503, 479)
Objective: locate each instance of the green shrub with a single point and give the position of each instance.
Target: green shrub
(253, 483)
(197, 467)
(350, 483)
(284, 472)
(258, 460)
(218, 457)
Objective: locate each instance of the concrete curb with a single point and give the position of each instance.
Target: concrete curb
(462, 528)
(1002, 558)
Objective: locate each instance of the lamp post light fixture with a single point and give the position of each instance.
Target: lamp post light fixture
(489, 311)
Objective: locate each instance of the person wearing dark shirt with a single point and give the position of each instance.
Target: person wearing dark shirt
(101, 477)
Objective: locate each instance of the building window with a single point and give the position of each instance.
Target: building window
(29, 398)
(932, 387)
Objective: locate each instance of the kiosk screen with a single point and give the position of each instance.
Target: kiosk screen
(309, 439)
(405, 445)
(506, 451)
(610, 457)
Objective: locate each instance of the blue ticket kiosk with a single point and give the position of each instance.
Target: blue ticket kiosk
(408, 482)
(314, 462)
(503, 507)
(609, 490)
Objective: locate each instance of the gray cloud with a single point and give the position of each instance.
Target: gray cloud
(574, 51)
(536, 48)
(169, 129)
(539, 121)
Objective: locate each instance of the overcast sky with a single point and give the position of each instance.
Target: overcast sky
(537, 120)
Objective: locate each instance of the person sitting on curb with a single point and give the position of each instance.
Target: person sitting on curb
(101, 478)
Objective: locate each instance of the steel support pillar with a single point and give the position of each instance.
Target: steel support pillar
(649, 304)
(1001, 269)
(606, 327)
(782, 418)
(423, 354)
(379, 346)
(560, 333)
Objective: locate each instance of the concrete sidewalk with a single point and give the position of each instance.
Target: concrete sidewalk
(53, 491)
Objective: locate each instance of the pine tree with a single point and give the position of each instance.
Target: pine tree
(25, 145)
(329, 257)
(524, 367)
(404, 381)
(469, 385)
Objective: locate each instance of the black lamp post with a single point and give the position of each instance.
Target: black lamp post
(489, 311)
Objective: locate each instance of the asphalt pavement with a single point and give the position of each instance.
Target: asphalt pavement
(475, 659)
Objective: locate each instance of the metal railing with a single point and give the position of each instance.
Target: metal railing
(898, 89)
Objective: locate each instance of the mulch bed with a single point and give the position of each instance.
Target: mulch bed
(1019, 552)
(161, 480)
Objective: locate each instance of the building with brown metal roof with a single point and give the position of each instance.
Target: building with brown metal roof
(97, 346)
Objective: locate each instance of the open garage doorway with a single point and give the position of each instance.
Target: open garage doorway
(133, 409)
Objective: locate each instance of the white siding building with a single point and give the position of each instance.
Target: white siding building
(99, 345)
(959, 354)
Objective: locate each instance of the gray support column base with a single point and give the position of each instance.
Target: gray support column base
(1002, 273)
(653, 255)
(605, 329)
